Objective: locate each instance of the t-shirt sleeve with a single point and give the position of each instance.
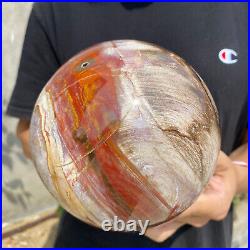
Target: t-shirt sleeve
(38, 63)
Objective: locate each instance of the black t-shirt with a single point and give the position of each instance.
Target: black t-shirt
(212, 37)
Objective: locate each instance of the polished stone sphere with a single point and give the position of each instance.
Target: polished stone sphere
(128, 129)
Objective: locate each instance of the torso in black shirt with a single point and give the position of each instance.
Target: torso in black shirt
(196, 32)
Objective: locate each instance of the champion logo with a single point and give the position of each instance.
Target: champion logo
(228, 56)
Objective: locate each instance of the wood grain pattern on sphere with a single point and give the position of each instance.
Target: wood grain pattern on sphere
(125, 128)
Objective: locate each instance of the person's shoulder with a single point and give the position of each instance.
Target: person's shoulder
(64, 7)
(42, 12)
(47, 11)
(41, 9)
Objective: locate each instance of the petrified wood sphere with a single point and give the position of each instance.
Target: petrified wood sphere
(125, 128)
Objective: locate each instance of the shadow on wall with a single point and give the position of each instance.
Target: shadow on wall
(14, 189)
(8, 145)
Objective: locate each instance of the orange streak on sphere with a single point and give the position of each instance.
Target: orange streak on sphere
(99, 118)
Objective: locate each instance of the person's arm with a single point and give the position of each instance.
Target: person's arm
(239, 157)
(22, 132)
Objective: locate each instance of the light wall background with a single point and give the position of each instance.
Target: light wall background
(23, 192)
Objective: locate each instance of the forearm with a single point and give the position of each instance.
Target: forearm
(22, 132)
(241, 154)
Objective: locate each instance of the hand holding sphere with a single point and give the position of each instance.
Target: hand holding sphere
(127, 129)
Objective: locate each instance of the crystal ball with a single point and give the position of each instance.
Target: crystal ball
(125, 128)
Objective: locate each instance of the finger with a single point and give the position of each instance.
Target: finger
(198, 208)
(197, 222)
(222, 162)
(163, 232)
